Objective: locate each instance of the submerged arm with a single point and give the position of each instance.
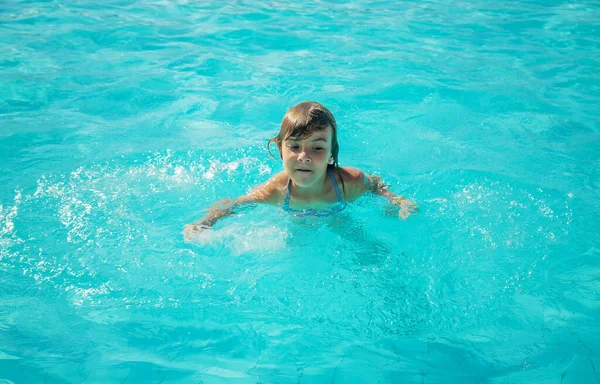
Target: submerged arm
(265, 193)
(217, 211)
(375, 184)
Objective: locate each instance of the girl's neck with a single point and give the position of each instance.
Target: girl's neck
(316, 190)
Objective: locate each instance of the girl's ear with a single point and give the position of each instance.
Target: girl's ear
(330, 162)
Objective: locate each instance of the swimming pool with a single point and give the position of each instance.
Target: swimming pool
(121, 121)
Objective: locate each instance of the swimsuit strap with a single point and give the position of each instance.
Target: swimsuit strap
(286, 204)
(337, 190)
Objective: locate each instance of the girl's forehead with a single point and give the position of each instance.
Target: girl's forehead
(320, 134)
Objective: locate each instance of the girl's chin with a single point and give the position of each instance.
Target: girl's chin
(302, 183)
(303, 179)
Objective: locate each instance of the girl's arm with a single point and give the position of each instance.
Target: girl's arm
(359, 183)
(217, 211)
(376, 184)
(266, 193)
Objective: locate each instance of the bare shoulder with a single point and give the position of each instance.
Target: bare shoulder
(352, 175)
(354, 182)
(270, 192)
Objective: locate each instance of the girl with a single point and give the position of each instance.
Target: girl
(312, 183)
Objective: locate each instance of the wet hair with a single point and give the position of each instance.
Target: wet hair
(304, 119)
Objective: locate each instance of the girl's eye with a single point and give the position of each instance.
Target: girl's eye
(318, 149)
(293, 147)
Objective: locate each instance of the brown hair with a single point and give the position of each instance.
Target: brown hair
(304, 119)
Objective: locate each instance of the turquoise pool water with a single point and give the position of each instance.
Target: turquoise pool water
(121, 121)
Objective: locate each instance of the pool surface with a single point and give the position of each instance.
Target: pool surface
(122, 121)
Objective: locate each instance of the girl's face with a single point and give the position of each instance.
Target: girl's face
(305, 160)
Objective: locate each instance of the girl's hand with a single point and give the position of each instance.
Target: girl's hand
(191, 230)
(407, 207)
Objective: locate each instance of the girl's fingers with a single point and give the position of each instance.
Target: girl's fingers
(406, 209)
(188, 230)
(402, 208)
(193, 229)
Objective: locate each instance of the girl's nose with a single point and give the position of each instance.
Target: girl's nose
(303, 157)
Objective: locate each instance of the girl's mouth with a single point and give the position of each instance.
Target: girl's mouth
(303, 170)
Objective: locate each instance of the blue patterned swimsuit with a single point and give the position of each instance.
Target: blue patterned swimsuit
(335, 208)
